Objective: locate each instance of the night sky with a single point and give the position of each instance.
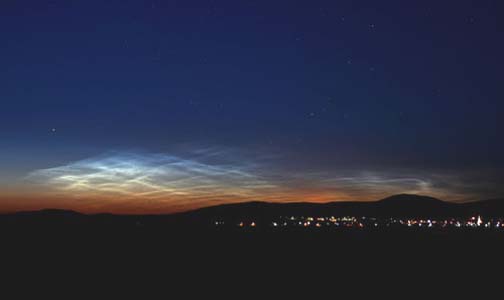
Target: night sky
(162, 106)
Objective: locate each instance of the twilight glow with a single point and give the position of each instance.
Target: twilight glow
(160, 179)
(162, 106)
(143, 182)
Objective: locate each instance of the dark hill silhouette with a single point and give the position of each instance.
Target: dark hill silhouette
(490, 208)
(401, 199)
(403, 205)
(265, 210)
(396, 206)
(49, 213)
(414, 206)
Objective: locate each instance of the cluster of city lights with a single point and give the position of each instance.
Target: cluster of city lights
(368, 222)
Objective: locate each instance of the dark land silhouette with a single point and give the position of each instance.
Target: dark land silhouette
(258, 217)
(190, 241)
(398, 206)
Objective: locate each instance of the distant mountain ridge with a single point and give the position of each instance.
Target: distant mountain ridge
(402, 205)
(49, 212)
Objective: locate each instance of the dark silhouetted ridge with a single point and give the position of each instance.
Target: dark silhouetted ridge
(50, 213)
(411, 198)
(405, 205)
(401, 206)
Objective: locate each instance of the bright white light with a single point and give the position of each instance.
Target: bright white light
(155, 177)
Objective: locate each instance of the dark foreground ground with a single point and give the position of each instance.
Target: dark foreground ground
(249, 248)
(106, 256)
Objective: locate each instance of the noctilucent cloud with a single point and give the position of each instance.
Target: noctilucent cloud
(162, 106)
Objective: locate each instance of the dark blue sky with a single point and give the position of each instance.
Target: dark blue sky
(390, 88)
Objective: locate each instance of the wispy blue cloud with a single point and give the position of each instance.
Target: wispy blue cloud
(159, 177)
(212, 176)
